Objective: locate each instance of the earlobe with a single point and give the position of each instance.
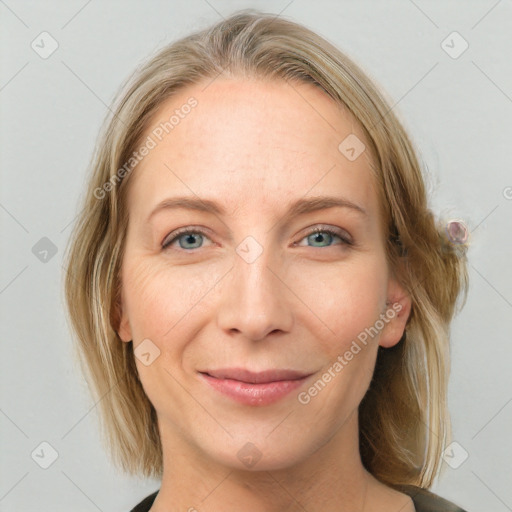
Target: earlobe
(124, 330)
(398, 310)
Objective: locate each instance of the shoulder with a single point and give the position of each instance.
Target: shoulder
(426, 501)
(423, 499)
(145, 504)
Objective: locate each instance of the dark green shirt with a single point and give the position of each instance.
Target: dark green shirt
(424, 501)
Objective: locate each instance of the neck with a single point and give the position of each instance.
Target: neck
(332, 478)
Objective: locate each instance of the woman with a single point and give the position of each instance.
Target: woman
(256, 281)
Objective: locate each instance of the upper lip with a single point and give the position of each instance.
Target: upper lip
(265, 376)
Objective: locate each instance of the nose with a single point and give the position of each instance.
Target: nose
(255, 299)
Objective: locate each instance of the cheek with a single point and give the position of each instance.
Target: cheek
(160, 297)
(164, 304)
(342, 299)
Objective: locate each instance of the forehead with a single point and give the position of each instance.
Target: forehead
(250, 142)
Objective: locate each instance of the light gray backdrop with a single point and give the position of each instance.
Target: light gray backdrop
(455, 101)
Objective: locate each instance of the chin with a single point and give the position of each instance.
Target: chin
(260, 454)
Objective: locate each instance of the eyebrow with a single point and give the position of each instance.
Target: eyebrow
(298, 207)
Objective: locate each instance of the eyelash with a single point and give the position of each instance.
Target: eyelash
(187, 231)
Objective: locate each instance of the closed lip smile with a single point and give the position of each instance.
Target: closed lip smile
(254, 388)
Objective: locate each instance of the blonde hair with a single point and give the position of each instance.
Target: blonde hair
(404, 422)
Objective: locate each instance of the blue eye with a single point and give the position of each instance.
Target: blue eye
(326, 235)
(186, 238)
(189, 239)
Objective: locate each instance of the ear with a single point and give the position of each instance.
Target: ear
(397, 312)
(124, 330)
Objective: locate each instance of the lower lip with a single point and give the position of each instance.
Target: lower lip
(253, 394)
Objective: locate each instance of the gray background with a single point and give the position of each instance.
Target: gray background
(457, 111)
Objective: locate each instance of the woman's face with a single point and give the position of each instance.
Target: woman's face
(244, 282)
